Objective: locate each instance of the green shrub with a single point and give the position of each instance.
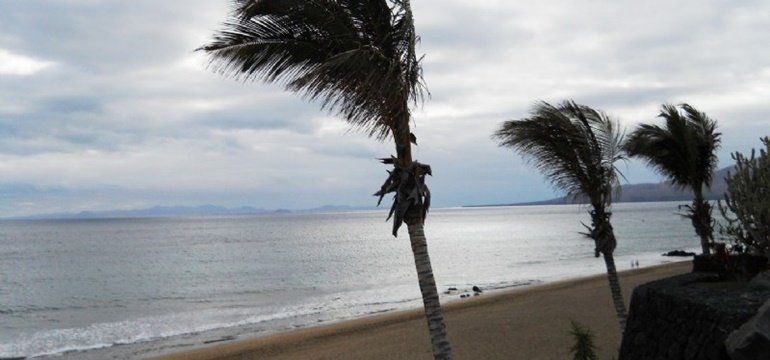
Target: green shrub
(583, 347)
(746, 208)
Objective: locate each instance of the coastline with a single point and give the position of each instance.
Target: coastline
(526, 322)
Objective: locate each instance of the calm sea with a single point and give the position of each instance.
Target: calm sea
(128, 288)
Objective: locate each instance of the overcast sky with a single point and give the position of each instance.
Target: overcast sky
(104, 104)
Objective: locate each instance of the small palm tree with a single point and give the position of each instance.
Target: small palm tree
(576, 147)
(358, 59)
(684, 151)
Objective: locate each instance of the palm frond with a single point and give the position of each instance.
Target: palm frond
(574, 146)
(356, 58)
(683, 150)
(707, 142)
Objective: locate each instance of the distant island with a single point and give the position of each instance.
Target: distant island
(171, 211)
(648, 192)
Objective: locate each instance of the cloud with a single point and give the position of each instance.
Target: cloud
(104, 104)
(18, 65)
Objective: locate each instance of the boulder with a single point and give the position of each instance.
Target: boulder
(751, 341)
(679, 253)
(476, 289)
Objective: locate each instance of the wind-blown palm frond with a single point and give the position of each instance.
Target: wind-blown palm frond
(706, 145)
(684, 150)
(576, 147)
(357, 58)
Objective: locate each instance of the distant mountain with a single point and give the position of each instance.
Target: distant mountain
(155, 211)
(172, 211)
(662, 191)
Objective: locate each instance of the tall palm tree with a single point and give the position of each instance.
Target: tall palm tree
(684, 151)
(576, 148)
(358, 59)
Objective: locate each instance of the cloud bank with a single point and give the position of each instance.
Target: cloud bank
(104, 104)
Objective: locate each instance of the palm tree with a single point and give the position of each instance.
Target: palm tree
(576, 148)
(358, 59)
(684, 151)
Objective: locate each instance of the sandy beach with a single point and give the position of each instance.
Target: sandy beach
(526, 323)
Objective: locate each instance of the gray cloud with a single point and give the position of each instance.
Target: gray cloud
(104, 104)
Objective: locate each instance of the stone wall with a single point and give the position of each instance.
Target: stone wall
(687, 317)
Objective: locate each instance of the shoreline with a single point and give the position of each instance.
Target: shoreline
(373, 334)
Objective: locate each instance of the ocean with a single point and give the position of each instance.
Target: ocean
(127, 288)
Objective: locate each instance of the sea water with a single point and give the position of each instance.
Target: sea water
(125, 288)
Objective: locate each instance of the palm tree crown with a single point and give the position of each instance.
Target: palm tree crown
(684, 150)
(356, 57)
(576, 147)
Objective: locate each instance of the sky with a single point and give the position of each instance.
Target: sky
(105, 105)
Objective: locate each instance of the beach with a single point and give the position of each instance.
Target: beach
(525, 323)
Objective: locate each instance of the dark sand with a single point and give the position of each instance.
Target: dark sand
(525, 323)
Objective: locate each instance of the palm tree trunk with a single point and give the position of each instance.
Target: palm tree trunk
(604, 236)
(438, 337)
(701, 220)
(617, 294)
(414, 220)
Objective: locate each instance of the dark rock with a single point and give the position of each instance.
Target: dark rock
(752, 340)
(452, 289)
(688, 317)
(476, 289)
(679, 253)
(224, 338)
